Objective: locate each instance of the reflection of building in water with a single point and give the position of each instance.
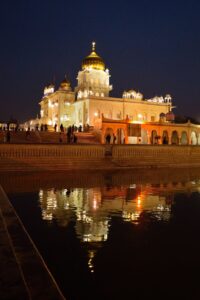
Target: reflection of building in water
(132, 201)
(93, 208)
(80, 204)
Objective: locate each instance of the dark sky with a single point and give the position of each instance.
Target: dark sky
(150, 46)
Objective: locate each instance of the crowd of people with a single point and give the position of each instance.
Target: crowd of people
(66, 135)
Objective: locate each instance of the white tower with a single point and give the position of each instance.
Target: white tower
(93, 80)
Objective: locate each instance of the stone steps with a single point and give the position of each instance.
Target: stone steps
(48, 137)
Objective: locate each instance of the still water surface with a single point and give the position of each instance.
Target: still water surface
(115, 235)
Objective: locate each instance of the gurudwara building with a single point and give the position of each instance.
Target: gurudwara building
(129, 119)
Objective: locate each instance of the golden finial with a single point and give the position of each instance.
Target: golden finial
(93, 46)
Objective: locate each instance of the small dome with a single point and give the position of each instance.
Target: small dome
(93, 61)
(65, 83)
(162, 115)
(170, 116)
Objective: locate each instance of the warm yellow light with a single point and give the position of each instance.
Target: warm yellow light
(95, 204)
(137, 122)
(93, 46)
(138, 201)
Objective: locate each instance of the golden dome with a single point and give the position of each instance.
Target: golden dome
(65, 83)
(93, 61)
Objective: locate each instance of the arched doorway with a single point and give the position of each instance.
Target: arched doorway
(198, 139)
(108, 137)
(193, 138)
(120, 136)
(154, 137)
(174, 139)
(184, 138)
(144, 136)
(165, 138)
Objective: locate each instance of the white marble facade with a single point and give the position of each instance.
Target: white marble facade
(90, 99)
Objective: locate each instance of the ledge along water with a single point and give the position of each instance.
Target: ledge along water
(23, 272)
(46, 157)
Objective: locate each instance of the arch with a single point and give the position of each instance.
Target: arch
(120, 136)
(198, 139)
(153, 137)
(184, 138)
(193, 138)
(174, 138)
(144, 136)
(165, 137)
(108, 136)
(153, 118)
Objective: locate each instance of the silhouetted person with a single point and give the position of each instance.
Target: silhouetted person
(108, 138)
(68, 134)
(55, 127)
(27, 133)
(61, 128)
(8, 136)
(165, 140)
(75, 139)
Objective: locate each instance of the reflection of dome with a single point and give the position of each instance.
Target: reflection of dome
(93, 61)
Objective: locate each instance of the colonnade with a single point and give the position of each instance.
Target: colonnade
(171, 134)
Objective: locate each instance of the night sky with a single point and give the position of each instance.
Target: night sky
(149, 46)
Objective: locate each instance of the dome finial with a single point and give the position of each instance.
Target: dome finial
(93, 46)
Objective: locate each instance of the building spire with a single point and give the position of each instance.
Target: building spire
(93, 46)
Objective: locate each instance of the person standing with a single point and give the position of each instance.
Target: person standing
(61, 128)
(114, 138)
(8, 136)
(108, 138)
